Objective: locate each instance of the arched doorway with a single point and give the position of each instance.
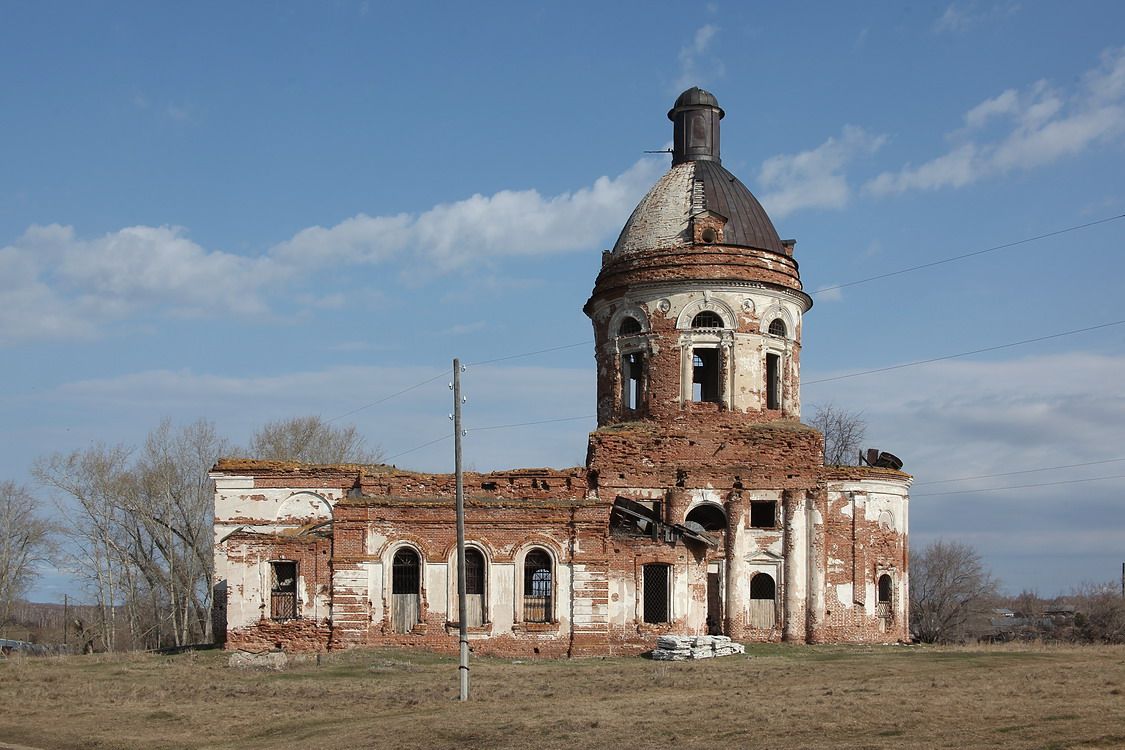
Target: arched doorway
(713, 520)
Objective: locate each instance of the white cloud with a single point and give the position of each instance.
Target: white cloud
(961, 17)
(54, 284)
(697, 66)
(1022, 130)
(814, 178)
(964, 418)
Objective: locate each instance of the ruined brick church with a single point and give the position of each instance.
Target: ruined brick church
(704, 505)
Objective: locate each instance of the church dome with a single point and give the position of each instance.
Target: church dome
(662, 220)
(698, 223)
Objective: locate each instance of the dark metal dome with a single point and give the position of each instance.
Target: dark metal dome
(695, 97)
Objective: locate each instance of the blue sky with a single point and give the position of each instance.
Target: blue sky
(245, 212)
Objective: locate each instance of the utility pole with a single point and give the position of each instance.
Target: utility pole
(462, 620)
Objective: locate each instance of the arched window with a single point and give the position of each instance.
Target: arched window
(884, 589)
(777, 328)
(707, 319)
(629, 326)
(711, 517)
(763, 607)
(884, 607)
(762, 586)
(405, 584)
(474, 587)
(538, 586)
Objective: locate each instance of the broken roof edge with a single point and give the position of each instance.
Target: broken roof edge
(864, 472)
(475, 501)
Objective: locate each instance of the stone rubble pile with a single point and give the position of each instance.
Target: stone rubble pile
(685, 647)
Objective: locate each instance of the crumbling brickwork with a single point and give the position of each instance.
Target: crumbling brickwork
(703, 506)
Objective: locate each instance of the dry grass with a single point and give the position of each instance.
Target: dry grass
(776, 697)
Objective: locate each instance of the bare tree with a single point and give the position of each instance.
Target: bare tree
(843, 433)
(140, 530)
(312, 440)
(950, 591)
(1101, 613)
(25, 539)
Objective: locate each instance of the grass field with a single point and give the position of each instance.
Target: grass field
(774, 697)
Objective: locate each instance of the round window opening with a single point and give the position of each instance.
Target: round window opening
(708, 235)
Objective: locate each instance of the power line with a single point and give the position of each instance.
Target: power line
(1022, 471)
(529, 354)
(1019, 486)
(388, 398)
(968, 255)
(966, 354)
(525, 424)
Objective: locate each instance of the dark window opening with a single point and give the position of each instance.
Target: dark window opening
(629, 327)
(632, 368)
(707, 319)
(656, 593)
(763, 514)
(773, 381)
(283, 590)
(762, 587)
(711, 517)
(884, 588)
(538, 585)
(777, 328)
(883, 600)
(705, 375)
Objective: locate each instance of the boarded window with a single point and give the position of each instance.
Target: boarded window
(538, 586)
(763, 514)
(763, 607)
(405, 585)
(777, 328)
(773, 381)
(656, 580)
(283, 590)
(705, 374)
(474, 588)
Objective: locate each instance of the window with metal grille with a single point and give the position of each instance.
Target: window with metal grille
(283, 590)
(538, 586)
(705, 375)
(629, 327)
(707, 319)
(777, 328)
(885, 594)
(656, 580)
(762, 586)
(474, 571)
(405, 572)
